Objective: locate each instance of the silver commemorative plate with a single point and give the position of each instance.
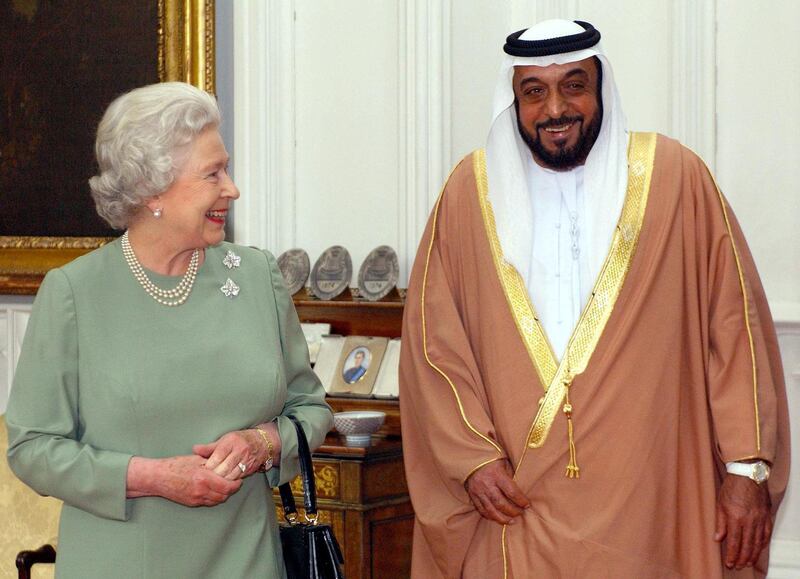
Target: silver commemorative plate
(294, 265)
(378, 274)
(332, 273)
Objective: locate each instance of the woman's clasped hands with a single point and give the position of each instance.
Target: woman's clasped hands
(209, 476)
(238, 454)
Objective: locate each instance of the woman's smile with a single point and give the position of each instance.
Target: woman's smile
(217, 216)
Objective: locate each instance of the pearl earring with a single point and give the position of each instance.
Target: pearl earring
(157, 213)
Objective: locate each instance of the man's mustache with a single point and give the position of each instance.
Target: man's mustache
(563, 120)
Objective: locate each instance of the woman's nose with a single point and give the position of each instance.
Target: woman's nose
(229, 188)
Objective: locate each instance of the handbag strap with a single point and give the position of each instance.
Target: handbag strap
(307, 478)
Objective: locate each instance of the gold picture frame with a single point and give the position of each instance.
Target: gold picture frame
(358, 366)
(185, 53)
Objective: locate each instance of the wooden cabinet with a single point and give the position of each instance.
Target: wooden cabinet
(362, 494)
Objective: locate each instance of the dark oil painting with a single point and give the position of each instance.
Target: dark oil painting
(61, 63)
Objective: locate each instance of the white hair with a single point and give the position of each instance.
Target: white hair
(140, 141)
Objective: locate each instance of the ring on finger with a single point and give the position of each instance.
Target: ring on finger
(242, 467)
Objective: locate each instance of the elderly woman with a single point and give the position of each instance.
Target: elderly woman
(158, 371)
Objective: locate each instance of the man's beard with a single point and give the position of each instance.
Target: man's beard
(564, 158)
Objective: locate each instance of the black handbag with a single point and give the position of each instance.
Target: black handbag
(310, 550)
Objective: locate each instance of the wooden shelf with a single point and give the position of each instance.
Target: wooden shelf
(335, 445)
(352, 315)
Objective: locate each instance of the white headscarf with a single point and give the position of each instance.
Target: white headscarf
(605, 170)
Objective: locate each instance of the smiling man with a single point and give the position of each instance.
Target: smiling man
(591, 384)
(559, 111)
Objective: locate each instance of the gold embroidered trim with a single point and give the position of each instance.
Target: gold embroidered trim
(746, 310)
(743, 458)
(505, 554)
(484, 463)
(528, 325)
(598, 309)
(425, 335)
(592, 322)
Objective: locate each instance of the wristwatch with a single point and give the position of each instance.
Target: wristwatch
(756, 471)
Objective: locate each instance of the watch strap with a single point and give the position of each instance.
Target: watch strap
(740, 468)
(756, 471)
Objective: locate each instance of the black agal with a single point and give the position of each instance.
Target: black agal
(586, 39)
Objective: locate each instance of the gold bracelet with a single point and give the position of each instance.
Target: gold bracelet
(268, 462)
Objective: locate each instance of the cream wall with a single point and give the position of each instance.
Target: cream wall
(758, 137)
(14, 314)
(350, 114)
(345, 116)
(357, 109)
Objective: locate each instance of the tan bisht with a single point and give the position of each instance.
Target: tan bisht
(672, 370)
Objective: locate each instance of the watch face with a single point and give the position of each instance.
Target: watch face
(760, 472)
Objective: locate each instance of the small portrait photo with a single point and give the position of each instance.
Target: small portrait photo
(356, 364)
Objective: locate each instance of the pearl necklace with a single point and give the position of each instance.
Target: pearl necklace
(173, 297)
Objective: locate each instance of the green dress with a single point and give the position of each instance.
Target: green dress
(107, 373)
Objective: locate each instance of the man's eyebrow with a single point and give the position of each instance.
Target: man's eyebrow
(571, 73)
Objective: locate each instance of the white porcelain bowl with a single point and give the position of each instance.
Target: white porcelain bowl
(358, 425)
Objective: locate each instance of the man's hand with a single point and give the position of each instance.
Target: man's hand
(494, 493)
(744, 518)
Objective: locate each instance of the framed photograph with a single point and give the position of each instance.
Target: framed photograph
(62, 63)
(358, 366)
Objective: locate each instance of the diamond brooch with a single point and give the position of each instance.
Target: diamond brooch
(231, 260)
(230, 289)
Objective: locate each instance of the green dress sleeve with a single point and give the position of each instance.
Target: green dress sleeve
(305, 394)
(44, 447)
